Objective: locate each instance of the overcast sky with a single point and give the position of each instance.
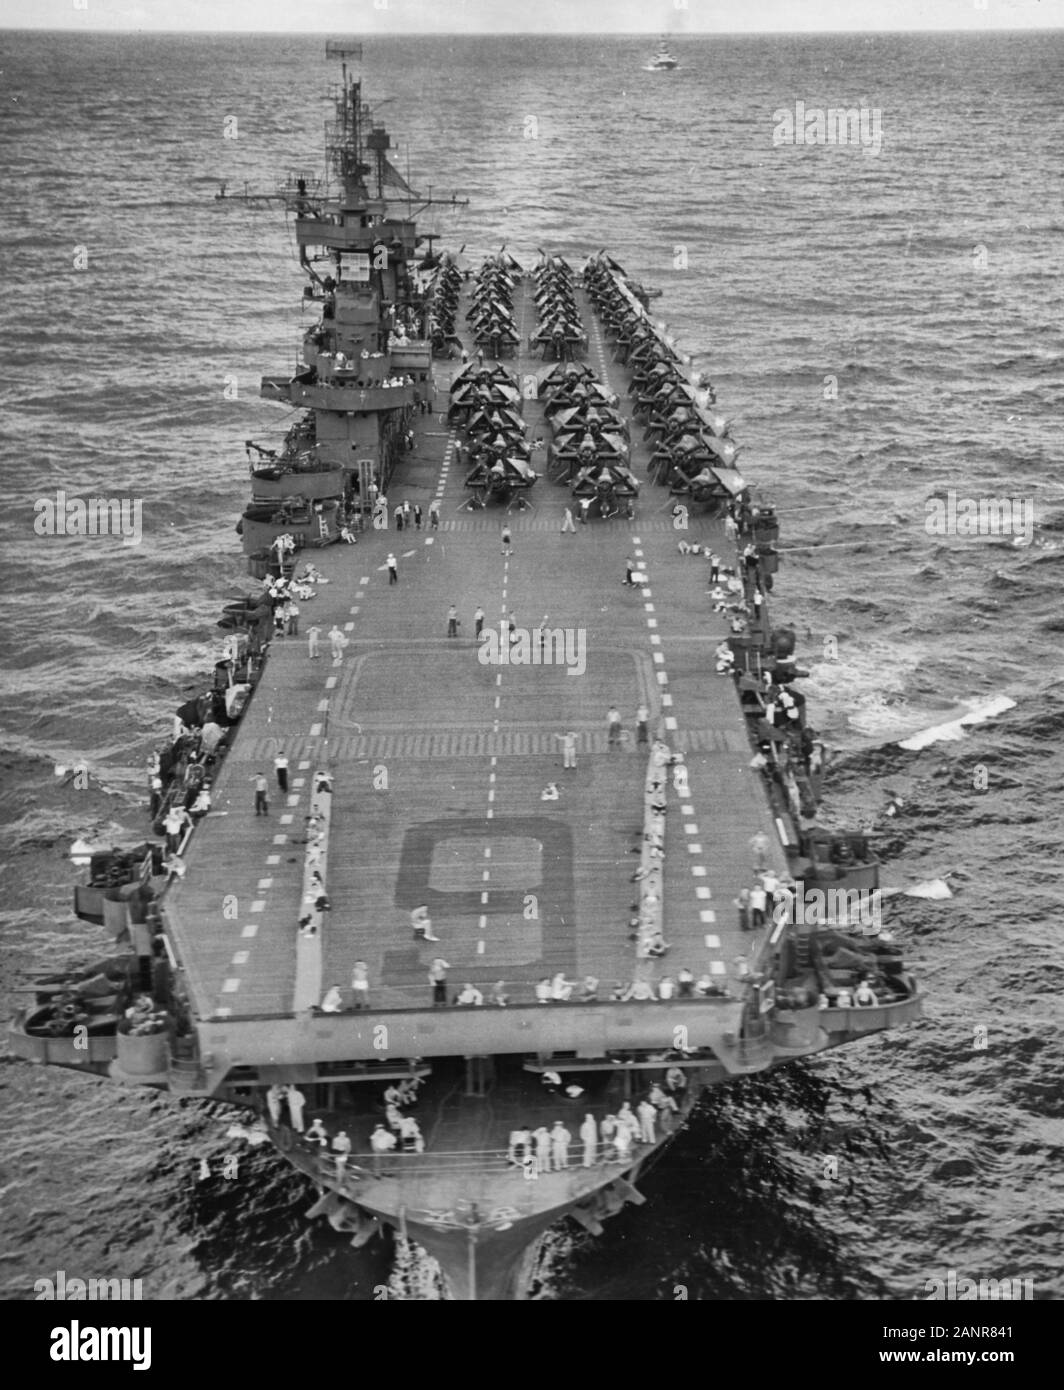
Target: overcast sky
(370, 17)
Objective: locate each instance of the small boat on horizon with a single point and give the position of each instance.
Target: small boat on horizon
(662, 61)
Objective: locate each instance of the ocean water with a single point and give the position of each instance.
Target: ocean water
(881, 328)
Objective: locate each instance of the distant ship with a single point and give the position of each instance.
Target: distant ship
(560, 921)
(662, 61)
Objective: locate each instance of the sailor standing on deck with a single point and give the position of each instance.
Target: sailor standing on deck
(393, 569)
(589, 1138)
(452, 621)
(568, 748)
(313, 633)
(642, 715)
(613, 721)
(542, 1138)
(274, 1096)
(478, 622)
(262, 806)
(647, 1116)
(280, 764)
(560, 1137)
(296, 1101)
(568, 524)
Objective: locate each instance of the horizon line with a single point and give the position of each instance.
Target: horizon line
(532, 33)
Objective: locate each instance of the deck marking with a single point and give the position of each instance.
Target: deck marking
(713, 942)
(487, 851)
(698, 870)
(301, 781)
(293, 801)
(689, 828)
(716, 967)
(666, 701)
(694, 849)
(494, 760)
(491, 776)
(670, 722)
(702, 892)
(364, 579)
(259, 905)
(315, 731)
(655, 640)
(323, 705)
(653, 622)
(264, 883)
(659, 658)
(647, 593)
(484, 896)
(223, 1013)
(241, 958)
(480, 948)
(252, 929)
(491, 814)
(273, 859)
(649, 607)
(686, 810)
(683, 792)
(231, 985)
(491, 795)
(349, 627)
(286, 820)
(280, 839)
(483, 922)
(302, 767)
(662, 678)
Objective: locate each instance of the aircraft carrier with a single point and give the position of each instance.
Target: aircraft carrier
(471, 919)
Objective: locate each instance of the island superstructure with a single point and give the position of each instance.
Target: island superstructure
(504, 883)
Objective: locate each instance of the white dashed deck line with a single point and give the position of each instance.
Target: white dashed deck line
(223, 1013)
(666, 701)
(713, 943)
(241, 958)
(659, 658)
(252, 929)
(694, 849)
(363, 580)
(280, 839)
(303, 767)
(264, 883)
(690, 829)
(349, 627)
(662, 677)
(670, 723)
(259, 905)
(286, 820)
(653, 622)
(480, 948)
(323, 706)
(231, 985)
(293, 801)
(682, 792)
(315, 731)
(491, 814)
(273, 859)
(655, 640)
(717, 967)
(703, 892)
(686, 810)
(482, 924)
(649, 607)
(698, 870)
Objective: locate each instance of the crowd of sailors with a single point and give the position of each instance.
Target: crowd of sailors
(542, 1149)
